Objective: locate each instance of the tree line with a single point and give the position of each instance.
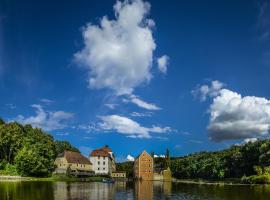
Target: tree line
(236, 162)
(28, 151)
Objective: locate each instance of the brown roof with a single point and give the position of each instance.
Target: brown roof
(99, 152)
(104, 151)
(75, 157)
(106, 148)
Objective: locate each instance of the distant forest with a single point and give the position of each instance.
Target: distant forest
(236, 162)
(28, 151)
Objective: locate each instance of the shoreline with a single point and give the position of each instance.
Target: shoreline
(52, 179)
(99, 179)
(212, 182)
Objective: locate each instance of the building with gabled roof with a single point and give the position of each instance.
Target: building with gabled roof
(143, 167)
(73, 163)
(103, 160)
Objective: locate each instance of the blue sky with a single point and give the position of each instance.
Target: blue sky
(185, 75)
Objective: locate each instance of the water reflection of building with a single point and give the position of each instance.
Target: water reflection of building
(162, 188)
(144, 190)
(147, 190)
(86, 191)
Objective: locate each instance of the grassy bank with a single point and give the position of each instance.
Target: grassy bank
(54, 178)
(70, 179)
(250, 180)
(234, 181)
(257, 179)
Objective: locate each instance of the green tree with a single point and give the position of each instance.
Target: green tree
(2, 121)
(11, 140)
(126, 167)
(61, 146)
(37, 155)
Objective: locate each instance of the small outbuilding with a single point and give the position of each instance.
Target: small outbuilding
(163, 175)
(119, 175)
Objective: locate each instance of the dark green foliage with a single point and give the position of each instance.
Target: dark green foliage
(10, 170)
(2, 121)
(37, 155)
(200, 165)
(256, 179)
(160, 163)
(61, 146)
(231, 163)
(127, 167)
(28, 151)
(11, 140)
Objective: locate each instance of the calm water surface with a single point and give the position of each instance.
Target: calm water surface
(121, 190)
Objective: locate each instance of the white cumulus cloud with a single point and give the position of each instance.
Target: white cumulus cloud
(130, 158)
(235, 117)
(163, 62)
(142, 104)
(129, 127)
(250, 140)
(159, 156)
(46, 120)
(204, 91)
(119, 52)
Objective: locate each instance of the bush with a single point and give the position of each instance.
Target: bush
(258, 170)
(9, 170)
(3, 165)
(256, 179)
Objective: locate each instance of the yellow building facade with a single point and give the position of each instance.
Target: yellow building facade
(74, 163)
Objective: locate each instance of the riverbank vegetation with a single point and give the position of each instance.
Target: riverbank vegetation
(249, 161)
(65, 178)
(28, 151)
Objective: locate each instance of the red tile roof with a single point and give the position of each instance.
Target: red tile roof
(104, 152)
(75, 157)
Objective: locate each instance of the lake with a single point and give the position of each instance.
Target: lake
(144, 190)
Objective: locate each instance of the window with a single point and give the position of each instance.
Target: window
(98, 157)
(103, 168)
(103, 162)
(98, 163)
(97, 168)
(103, 158)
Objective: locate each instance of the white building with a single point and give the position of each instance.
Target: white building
(103, 161)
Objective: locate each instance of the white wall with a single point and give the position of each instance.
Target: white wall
(100, 164)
